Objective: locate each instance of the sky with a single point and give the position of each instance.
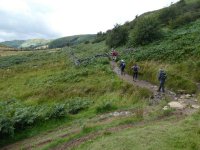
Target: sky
(49, 19)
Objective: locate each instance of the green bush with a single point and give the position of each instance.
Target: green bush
(184, 19)
(24, 116)
(56, 111)
(168, 14)
(6, 125)
(77, 104)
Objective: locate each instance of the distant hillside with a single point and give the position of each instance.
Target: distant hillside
(71, 40)
(4, 47)
(57, 43)
(32, 43)
(1, 45)
(14, 43)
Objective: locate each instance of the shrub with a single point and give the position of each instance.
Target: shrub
(56, 111)
(16, 115)
(168, 14)
(86, 42)
(6, 125)
(24, 116)
(184, 19)
(75, 105)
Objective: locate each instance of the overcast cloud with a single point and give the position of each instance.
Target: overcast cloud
(27, 19)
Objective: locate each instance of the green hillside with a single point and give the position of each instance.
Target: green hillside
(1, 45)
(32, 43)
(71, 40)
(14, 43)
(162, 39)
(57, 43)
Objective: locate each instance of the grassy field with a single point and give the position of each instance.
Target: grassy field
(8, 53)
(42, 86)
(41, 91)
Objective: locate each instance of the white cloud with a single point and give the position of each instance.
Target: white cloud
(22, 19)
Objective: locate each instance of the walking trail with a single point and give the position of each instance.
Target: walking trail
(185, 103)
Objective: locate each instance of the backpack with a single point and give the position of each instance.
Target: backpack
(123, 65)
(163, 75)
(135, 69)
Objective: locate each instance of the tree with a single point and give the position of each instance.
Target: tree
(117, 37)
(147, 30)
(99, 37)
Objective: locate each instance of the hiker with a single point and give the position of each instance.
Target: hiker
(122, 67)
(114, 54)
(135, 71)
(162, 77)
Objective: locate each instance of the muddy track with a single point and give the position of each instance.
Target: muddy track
(91, 136)
(29, 143)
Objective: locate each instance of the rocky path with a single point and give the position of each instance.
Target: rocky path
(185, 103)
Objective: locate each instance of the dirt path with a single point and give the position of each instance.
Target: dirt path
(140, 83)
(187, 103)
(42, 139)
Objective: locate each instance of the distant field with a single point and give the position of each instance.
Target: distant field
(9, 53)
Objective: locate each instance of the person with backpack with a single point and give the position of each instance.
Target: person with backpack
(122, 67)
(162, 78)
(135, 72)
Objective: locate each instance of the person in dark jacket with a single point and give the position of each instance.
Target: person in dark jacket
(162, 78)
(122, 67)
(135, 72)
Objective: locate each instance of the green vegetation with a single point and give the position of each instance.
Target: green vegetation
(32, 43)
(14, 43)
(17, 115)
(99, 37)
(146, 31)
(2, 45)
(117, 37)
(105, 107)
(70, 40)
(44, 90)
(47, 85)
